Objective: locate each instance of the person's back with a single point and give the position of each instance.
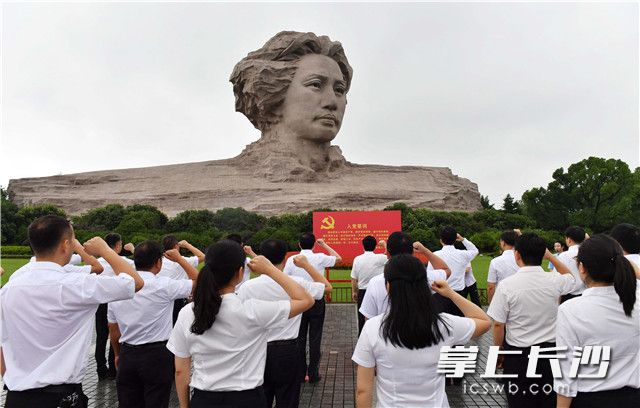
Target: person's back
(574, 236)
(456, 259)
(628, 236)
(401, 348)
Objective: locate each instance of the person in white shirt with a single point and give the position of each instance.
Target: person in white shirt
(558, 248)
(365, 267)
(628, 236)
(376, 299)
(526, 304)
(226, 338)
(401, 348)
(503, 266)
(48, 314)
(605, 315)
(246, 275)
(312, 319)
(573, 237)
(140, 328)
(91, 263)
(457, 260)
(282, 368)
(173, 270)
(102, 327)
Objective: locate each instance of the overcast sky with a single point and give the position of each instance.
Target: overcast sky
(503, 94)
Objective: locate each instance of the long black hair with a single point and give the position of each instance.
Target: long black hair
(604, 261)
(411, 322)
(222, 262)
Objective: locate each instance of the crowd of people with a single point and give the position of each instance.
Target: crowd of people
(226, 340)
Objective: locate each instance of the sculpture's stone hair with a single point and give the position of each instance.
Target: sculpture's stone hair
(260, 80)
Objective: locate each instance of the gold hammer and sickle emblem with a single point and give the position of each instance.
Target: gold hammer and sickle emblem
(328, 223)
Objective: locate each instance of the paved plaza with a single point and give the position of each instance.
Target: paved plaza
(337, 388)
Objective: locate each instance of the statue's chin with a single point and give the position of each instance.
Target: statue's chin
(324, 137)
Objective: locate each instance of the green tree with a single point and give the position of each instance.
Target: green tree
(510, 205)
(105, 218)
(484, 202)
(238, 220)
(144, 220)
(596, 193)
(193, 221)
(10, 224)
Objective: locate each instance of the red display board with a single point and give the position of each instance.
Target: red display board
(344, 230)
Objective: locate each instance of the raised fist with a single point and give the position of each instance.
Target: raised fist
(300, 261)
(173, 255)
(96, 246)
(130, 247)
(261, 265)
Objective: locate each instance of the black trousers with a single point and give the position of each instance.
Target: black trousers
(523, 392)
(228, 399)
(361, 318)
(102, 338)
(312, 320)
(47, 397)
(178, 304)
(145, 376)
(566, 297)
(625, 397)
(474, 296)
(282, 374)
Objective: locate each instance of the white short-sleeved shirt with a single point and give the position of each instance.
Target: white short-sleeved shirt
(147, 317)
(108, 270)
(376, 300)
(409, 378)
(318, 260)
(246, 273)
(635, 258)
(568, 258)
(265, 288)
(527, 302)
(502, 266)
(469, 278)
(75, 259)
(457, 260)
(231, 355)
(72, 267)
(597, 319)
(173, 270)
(366, 266)
(47, 321)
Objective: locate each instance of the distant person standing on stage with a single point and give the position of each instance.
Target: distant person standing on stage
(140, 328)
(312, 319)
(573, 236)
(48, 316)
(102, 326)
(282, 369)
(365, 267)
(605, 315)
(173, 270)
(628, 236)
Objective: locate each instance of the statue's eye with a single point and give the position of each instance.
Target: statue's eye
(315, 84)
(340, 90)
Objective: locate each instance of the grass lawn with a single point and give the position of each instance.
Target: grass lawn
(10, 265)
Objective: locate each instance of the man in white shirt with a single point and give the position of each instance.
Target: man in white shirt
(628, 236)
(174, 270)
(102, 327)
(48, 314)
(140, 328)
(282, 369)
(558, 249)
(376, 299)
(312, 319)
(573, 237)
(457, 260)
(365, 267)
(91, 264)
(504, 265)
(246, 273)
(526, 305)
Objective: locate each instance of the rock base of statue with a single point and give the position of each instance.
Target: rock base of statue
(264, 183)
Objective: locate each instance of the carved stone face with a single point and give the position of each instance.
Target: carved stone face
(314, 104)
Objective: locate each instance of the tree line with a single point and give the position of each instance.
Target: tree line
(594, 193)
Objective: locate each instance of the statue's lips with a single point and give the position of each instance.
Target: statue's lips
(328, 119)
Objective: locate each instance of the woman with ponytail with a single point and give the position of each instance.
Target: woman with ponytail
(226, 338)
(606, 315)
(403, 345)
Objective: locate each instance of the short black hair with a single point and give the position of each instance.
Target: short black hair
(112, 239)
(47, 232)
(275, 250)
(369, 243)
(307, 240)
(628, 236)
(576, 233)
(531, 248)
(169, 242)
(399, 243)
(235, 238)
(146, 255)
(448, 235)
(509, 237)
